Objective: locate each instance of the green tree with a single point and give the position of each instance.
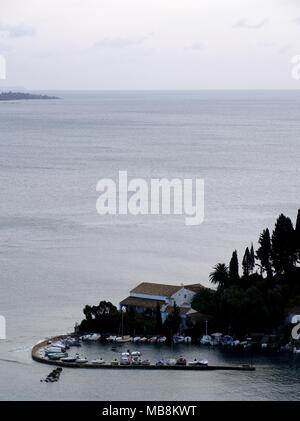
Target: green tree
(219, 275)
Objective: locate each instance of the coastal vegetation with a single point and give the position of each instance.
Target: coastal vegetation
(253, 298)
(269, 284)
(9, 96)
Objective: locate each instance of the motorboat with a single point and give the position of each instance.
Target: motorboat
(136, 360)
(73, 342)
(136, 353)
(125, 354)
(159, 363)
(49, 351)
(227, 340)
(136, 339)
(111, 338)
(146, 362)
(94, 337)
(143, 340)
(68, 359)
(178, 339)
(98, 361)
(81, 360)
(114, 362)
(181, 361)
(153, 339)
(57, 356)
(123, 339)
(125, 360)
(161, 339)
(206, 340)
(197, 363)
(171, 361)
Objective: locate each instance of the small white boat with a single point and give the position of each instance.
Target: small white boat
(68, 359)
(146, 362)
(181, 361)
(98, 361)
(57, 356)
(161, 339)
(125, 361)
(114, 362)
(171, 361)
(136, 339)
(197, 363)
(153, 339)
(111, 338)
(178, 339)
(143, 340)
(123, 339)
(81, 360)
(125, 354)
(205, 340)
(136, 353)
(136, 360)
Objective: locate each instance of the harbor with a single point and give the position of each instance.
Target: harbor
(39, 354)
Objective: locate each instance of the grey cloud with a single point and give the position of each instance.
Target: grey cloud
(17, 31)
(243, 23)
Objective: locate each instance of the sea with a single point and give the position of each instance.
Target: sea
(57, 253)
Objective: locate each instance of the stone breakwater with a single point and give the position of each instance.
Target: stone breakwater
(38, 355)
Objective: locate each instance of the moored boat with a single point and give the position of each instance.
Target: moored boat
(181, 361)
(98, 361)
(68, 359)
(171, 361)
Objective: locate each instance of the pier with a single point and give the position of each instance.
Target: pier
(38, 355)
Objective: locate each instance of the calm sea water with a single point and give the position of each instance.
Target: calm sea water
(57, 254)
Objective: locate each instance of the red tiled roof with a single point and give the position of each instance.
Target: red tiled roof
(150, 288)
(141, 302)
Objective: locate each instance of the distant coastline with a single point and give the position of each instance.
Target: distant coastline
(9, 96)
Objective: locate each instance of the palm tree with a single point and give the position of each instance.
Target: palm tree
(219, 275)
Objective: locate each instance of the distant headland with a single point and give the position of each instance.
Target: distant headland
(9, 96)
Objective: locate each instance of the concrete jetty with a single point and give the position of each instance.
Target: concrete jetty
(38, 355)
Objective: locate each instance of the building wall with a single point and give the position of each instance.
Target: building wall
(183, 296)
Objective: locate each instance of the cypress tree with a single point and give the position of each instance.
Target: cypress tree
(263, 253)
(297, 235)
(252, 259)
(284, 254)
(246, 263)
(234, 266)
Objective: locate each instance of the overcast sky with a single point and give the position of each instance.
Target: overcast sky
(150, 44)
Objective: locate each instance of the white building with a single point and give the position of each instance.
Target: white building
(145, 297)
